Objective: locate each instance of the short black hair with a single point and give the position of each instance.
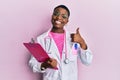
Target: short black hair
(64, 7)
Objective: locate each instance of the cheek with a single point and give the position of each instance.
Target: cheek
(65, 21)
(52, 19)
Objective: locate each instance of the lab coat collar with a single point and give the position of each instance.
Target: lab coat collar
(47, 34)
(66, 48)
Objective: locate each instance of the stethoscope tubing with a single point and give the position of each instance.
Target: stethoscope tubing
(49, 36)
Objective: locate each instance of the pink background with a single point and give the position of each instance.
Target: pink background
(99, 22)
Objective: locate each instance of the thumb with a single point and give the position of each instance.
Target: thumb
(77, 31)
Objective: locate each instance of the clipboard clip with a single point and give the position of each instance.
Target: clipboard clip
(32, 40)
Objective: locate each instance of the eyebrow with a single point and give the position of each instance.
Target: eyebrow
(57, 11)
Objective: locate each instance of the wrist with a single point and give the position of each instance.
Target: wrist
(83, 45)
(43, 66)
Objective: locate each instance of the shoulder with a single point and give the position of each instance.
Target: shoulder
(40, 38)
(67, 34)
(42, 35)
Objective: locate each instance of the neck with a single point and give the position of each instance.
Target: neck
(56, 30)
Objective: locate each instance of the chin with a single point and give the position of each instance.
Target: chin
(57, 26)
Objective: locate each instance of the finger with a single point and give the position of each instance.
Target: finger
(72, 39)
(48, 62)
(77, 30)
(72, 35)
(54, 63)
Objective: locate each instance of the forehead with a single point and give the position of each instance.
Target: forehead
(61, 10)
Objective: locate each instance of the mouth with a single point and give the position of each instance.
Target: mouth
(57, 22)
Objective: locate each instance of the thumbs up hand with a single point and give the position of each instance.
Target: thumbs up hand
(76, 37)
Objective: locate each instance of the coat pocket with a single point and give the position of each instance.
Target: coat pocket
(73, 58)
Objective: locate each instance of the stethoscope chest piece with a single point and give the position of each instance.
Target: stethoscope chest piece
(66, 61)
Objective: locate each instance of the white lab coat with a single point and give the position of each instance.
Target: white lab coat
(65, 71)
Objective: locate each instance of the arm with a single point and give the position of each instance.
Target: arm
(35, 65)
(85, 56)
(41, 67)
(84, 52)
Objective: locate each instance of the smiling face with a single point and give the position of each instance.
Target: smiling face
(59, 18)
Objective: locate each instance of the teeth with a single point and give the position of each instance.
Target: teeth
(58, 22)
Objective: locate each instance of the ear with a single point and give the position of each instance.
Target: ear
(51, 18)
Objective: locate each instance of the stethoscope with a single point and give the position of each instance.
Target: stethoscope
(48, 38)
(66, 61)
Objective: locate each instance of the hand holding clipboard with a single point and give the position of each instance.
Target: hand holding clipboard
(40, 54)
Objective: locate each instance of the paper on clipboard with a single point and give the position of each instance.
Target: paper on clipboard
(37, 51)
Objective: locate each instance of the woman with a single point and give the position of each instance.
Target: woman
(63, 48)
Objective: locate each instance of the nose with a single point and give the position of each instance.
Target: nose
(59, 17)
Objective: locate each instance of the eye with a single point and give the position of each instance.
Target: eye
(64, 16)
(56, 13)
